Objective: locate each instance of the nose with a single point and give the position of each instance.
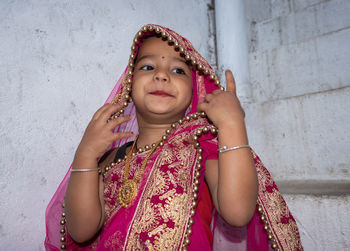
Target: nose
(161, 76)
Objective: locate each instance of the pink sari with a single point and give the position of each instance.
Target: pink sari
(172, 210)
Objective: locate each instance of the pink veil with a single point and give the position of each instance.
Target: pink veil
(272, 225)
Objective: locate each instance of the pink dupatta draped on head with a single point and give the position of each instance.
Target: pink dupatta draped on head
(165, 213)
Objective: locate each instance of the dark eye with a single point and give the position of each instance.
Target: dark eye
(147, 68)
(179, 71)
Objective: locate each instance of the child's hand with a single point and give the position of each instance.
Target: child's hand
(99, 133)
(223, 107)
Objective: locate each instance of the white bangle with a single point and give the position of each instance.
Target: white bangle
(85, 170)
(225, 149)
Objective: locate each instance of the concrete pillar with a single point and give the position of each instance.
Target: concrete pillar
(232, 44)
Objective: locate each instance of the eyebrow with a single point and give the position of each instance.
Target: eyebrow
(153, 56)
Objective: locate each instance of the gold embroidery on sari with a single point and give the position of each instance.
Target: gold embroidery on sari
(165, 202)
(175, 208)
(289, 231)
(150, 217)
(167, 194)
(264, 177)
(172, 179)
(161, 183)
(166, 155)
(275, 201)
(165, 241)
(119, 97)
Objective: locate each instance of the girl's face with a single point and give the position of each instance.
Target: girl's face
(162, 86)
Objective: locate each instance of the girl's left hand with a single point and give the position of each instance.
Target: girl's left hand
(223, 107)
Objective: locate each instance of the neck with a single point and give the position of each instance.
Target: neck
(152, 128)
(149, 132)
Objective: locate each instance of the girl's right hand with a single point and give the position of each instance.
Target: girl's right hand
(99, 133)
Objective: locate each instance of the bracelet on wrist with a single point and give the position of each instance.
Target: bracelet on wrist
(86, 170)
(226, 149)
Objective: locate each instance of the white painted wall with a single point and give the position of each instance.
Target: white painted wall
(323, 221)
(299, 59)
(58, 62)
(298, 120)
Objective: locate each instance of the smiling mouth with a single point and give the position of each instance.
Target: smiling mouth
(161, 94)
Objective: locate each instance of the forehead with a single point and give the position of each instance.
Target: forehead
(158, 47)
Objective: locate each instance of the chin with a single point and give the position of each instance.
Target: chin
(160, 107)
(159, 110)
(165, 116)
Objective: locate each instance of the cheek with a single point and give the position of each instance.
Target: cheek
(135, 95)
(189, 89)
(187, 94)
(136, 88)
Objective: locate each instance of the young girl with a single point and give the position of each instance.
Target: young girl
(168, 151)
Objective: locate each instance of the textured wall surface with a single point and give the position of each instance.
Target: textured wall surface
(58, 62)
(323, 221)
(298, 120)
(299, 61)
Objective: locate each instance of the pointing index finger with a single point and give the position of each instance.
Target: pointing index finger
(230, 82)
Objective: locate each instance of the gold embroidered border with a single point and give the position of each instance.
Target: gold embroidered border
(160, 221)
